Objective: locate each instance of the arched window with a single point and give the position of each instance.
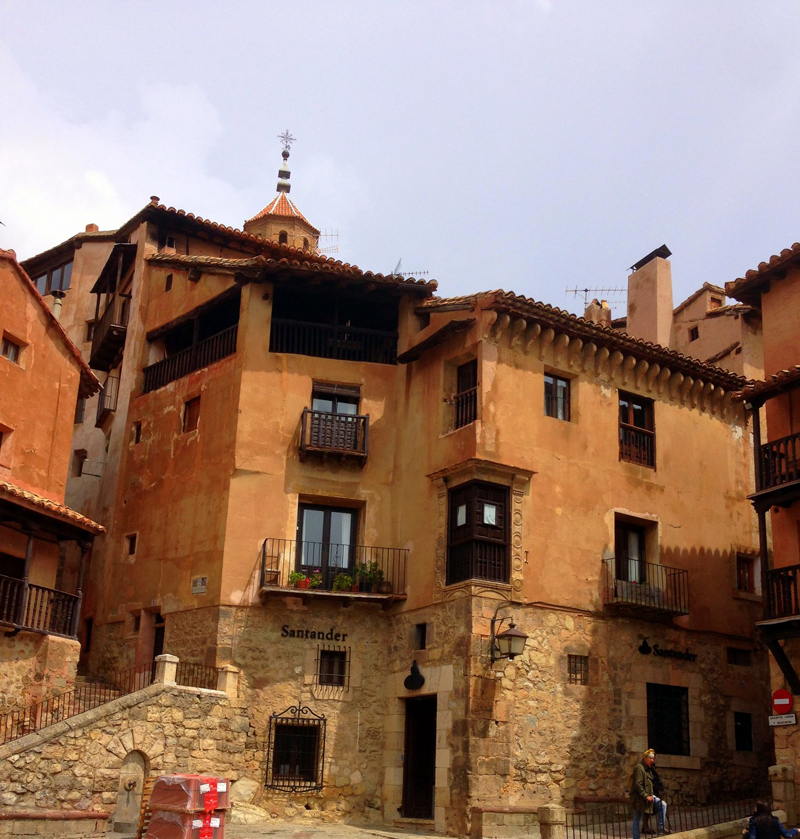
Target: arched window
(305, 244)
(283, 238)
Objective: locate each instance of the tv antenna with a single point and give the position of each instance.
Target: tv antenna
(610, 295)
(398, 273)
(328, 242)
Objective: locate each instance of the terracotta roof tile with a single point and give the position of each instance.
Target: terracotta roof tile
(746, 286)
(58, 510)
(284, 207)
(89, 382)
(780, 381)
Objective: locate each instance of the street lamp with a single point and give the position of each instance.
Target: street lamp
(506, 644)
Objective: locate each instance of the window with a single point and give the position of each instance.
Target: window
(55, 279)
(168, 283)
(137, 623)
(694, 333)
(578, 669)
(191, 414)
(295, 750)
(637, 439)
(80, 410)
(89, 330)
(334, 423)
(305, 244)
(629, 551)
(170, 243)
(743, 731)
(556, 397)
(668, 719)
(10, 349)
(78, 460)
(131, 543)
(283, 238)
(136, 433)
(420, 636)
(714, 303)
(477, 545)
(740, 657)
(745, 573)
(326, 538)
(333, 667)
(466, 399)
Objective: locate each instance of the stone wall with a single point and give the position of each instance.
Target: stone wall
(35, 667)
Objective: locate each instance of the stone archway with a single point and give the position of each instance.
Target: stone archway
(134, 770)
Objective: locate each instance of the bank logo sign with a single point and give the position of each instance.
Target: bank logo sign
(663, 652)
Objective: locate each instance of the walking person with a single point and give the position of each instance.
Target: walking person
(643, 795)
(658, 794)
(763, 825)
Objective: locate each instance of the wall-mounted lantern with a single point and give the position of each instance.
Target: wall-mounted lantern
(510, 642)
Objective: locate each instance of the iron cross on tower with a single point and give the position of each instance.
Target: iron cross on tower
(287, 139)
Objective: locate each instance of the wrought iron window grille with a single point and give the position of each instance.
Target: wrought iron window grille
(296, 750)
(578, 669)
(332, 667)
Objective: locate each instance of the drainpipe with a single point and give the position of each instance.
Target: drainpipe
(58, 297)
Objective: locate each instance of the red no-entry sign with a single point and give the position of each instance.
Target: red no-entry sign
(782, 701)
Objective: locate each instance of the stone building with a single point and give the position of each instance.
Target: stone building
(774, 289)
(349, 488)
(42, 376)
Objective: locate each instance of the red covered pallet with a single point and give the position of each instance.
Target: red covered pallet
(168, 825)
(190, 794)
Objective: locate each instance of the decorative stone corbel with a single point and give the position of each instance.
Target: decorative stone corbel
(544, 342)
(684, 389)
(628, 364)
(559, 346)
(589, 352)
(694, 393)
(531, 334)
(716, 399)
(663, 377)
(499, 327)
(600, 359)
(708, 389)
(491, 319)
(517, 329)
(615, 359)
(575, 347)
(639, 371)
(725, 404)
(652, 371)
(675, 381)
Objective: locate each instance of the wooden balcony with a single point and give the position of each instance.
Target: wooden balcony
(107, 400)
(478, 559)
(200, 355)
(782, 592)
(778, 472)
(108, 340)
(637, 445)
(325, 434)
(646, 587)
(346, 343)
(377, 574)
(37, 608)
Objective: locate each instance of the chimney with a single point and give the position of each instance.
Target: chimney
(92, 228)
(599, 313)
(58, 297)
(650, 298)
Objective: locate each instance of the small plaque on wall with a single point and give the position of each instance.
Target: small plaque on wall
(199, 585)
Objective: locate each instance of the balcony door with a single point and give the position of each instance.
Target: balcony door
(629, 549)
(331, 427)
(326, 541)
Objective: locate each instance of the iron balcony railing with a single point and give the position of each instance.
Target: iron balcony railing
(323, 432)
(108, 336)
(466, 407)
(107, 400)
(202, 354)
(477, 560)
(112, 685)
(779, 462)
(637, 445)
(346, 343)
(37, 608)
(782, 593)
(646, 585)
(613, 820)
(192, 675)
(367, 566)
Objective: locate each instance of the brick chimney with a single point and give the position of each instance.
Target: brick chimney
(650, 298)
(599, 313)
(92, 228)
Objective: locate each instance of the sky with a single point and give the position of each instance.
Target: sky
(529, 145)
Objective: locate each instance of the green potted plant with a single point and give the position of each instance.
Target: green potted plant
(343, 582)
(315, 580)
(370, 576)
(298, 579)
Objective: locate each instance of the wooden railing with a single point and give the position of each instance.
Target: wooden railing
(477, 560)
(279, 557)
(112, 325)
(782, 593)
(347, 343)
(637, 445)
(646, 585)
(177, 366)
(466, 407)
(37, 608)
(329, 433)
(107, 400)
(779, 462)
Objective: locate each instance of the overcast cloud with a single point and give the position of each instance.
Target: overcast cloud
(523, 144)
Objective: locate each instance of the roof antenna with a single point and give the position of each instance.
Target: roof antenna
(605, 293)
(398, 273)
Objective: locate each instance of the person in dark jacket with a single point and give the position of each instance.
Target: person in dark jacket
(643, 797)
(658, 792)
(763, 825)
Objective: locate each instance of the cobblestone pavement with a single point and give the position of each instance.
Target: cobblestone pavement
(303, 830)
